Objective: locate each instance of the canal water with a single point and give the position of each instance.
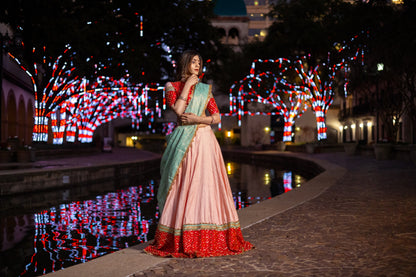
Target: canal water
(46, 232)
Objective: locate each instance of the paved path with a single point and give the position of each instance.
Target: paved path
(364, 225)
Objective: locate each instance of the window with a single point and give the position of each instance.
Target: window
(233, 33)
(257, 17)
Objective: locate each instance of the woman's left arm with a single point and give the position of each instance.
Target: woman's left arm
(214, 118)
(190, 118)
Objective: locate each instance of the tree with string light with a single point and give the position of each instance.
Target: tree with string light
(271, 89)
(53, 83)
(107, 99)
(317, 83)
(291, 86)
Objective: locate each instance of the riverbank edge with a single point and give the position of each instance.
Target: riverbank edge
(14, 182)
(129, 261)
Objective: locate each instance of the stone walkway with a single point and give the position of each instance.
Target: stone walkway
(364, 225)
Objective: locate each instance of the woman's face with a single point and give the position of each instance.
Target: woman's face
(195, 65)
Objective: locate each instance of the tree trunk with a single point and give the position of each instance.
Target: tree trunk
(40, 129)
(287, 131)
(320, 123)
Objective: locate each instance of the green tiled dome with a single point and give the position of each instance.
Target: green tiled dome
(230, 8)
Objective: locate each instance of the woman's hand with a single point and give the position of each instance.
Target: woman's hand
(189, 118)
(192, 80)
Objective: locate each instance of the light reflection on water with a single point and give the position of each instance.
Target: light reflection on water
(83, 230)
(252, 184)
(76, 232)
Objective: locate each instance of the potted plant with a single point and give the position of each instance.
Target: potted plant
(413, 154)
(383, 151)
(311, 147)
(25, 154)
(350, 148)
(280, 146)
(5, 154)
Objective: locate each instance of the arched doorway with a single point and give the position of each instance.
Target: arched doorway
(29, 122)
(11, 116)
(223, 35)
(233, 36)
(21, 121)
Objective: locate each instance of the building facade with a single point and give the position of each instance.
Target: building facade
(360, 122)
(259, 22)
(17, 105)
(232, 22)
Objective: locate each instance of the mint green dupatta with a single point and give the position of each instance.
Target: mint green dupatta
(178, 143)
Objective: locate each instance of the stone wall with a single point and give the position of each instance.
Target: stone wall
(35, 180)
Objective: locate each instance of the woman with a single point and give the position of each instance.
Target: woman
(198, 218)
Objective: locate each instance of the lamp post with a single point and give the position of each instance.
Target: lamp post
(380, 67)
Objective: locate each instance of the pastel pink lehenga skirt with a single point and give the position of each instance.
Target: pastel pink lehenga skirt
(199, 218)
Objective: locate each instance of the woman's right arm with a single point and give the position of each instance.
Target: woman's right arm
(179, 105)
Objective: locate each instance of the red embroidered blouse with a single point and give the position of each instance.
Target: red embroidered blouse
(174, 89)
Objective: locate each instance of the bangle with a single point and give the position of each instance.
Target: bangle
(212, 120)
(182, 98)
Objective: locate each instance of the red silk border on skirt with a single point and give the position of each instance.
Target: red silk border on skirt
(199, 243)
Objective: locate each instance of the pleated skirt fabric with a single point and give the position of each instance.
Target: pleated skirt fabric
(199, 218)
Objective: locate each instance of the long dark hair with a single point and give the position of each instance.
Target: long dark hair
(182, 72)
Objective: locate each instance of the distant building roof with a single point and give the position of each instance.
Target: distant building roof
(230, 8)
